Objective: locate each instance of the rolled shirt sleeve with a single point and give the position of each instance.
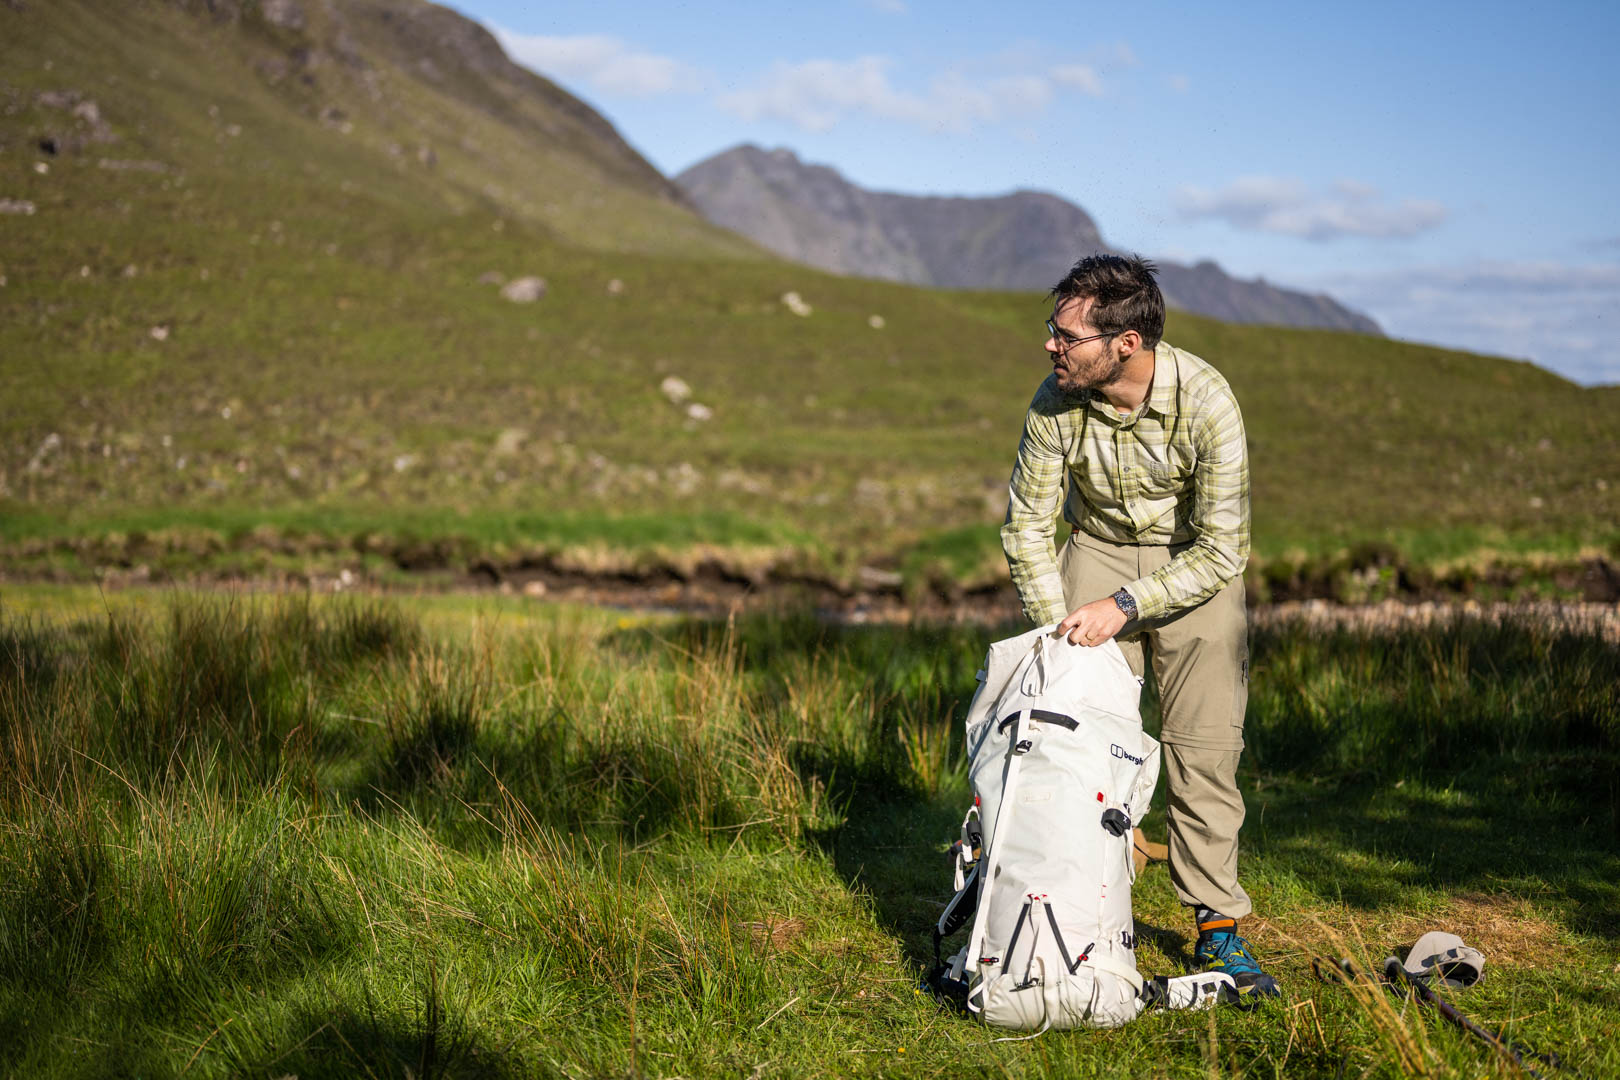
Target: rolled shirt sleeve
(1034, 497)
(1219, 518)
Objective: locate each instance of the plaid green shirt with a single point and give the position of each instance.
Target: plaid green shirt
(1175, 470)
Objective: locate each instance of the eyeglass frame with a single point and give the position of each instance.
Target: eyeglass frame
(1066, 341)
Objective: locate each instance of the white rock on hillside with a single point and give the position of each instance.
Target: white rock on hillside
(287, 14)
(795, 303)
(509, 442)
(674, 387)
(524, 290)
(52, 442)
(131, 165)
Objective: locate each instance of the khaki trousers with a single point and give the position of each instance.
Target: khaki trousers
(1200, 659)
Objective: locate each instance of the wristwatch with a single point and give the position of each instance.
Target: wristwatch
(1126, 603)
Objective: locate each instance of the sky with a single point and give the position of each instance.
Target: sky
(1448, 168)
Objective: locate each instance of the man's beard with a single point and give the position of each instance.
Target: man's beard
(1110, 374)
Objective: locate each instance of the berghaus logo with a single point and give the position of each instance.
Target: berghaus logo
(1120, 752)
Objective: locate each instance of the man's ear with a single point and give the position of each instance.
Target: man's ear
(1130, 342)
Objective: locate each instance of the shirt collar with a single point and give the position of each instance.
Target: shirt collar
(1162, 397)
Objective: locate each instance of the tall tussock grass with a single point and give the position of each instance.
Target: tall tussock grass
(432, 719)
(285, 836)
(1438, 698)
(54, 917)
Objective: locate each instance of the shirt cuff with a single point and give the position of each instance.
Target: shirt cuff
(1043, 595)
(1152, 599)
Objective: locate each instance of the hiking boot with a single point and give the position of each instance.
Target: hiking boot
(1224, 951)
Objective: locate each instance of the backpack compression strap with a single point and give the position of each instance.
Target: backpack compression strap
(992, 855)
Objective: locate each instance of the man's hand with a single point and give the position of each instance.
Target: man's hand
(1094, 623)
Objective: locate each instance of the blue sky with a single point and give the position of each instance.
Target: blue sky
(1447, 167)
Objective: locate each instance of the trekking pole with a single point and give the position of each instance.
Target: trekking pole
(1397, 975)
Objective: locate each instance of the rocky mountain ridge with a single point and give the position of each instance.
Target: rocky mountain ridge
(1021, 241)
(403, 102)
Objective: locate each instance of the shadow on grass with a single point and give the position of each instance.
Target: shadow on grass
(424, 1037)
(1524, 827)
(351, 1042)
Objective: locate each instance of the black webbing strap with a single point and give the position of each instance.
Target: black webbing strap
(1045, 716)
(1012, 942)
(1063, 950)
(1053, 718)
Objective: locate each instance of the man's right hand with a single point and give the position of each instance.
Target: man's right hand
(1093, 623)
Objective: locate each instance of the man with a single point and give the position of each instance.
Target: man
(1141, 445)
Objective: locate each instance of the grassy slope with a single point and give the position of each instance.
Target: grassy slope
(271, 837)
(322, 290)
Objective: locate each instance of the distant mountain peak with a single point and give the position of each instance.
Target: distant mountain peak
(1021, 240)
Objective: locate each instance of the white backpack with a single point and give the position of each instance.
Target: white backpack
(1061, 772)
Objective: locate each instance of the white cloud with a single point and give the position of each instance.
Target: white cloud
(1287, 206)
(817, 94)
(1179, 83)
(603, 62)
(1565, 317)
(1082, 77)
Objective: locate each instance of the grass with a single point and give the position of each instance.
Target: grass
(265, 836)
(330, 364)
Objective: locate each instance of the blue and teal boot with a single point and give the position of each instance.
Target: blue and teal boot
(1220, 948)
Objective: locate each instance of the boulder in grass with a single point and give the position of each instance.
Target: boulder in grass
(509, 442)
(524, 290)
(795, 303)
(287, 14)
(89, 125)
(675, 389)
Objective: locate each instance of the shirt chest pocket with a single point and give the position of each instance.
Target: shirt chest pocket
(1174, 474)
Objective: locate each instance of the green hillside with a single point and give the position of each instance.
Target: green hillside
(261, 308)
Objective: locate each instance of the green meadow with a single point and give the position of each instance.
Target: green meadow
(294, 836)
(249, 338)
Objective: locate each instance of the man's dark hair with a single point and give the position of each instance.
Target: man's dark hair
(1123, 293)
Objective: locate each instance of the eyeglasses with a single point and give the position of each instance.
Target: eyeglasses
(1067, 341)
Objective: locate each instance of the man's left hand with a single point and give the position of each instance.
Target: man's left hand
(1093, 623)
